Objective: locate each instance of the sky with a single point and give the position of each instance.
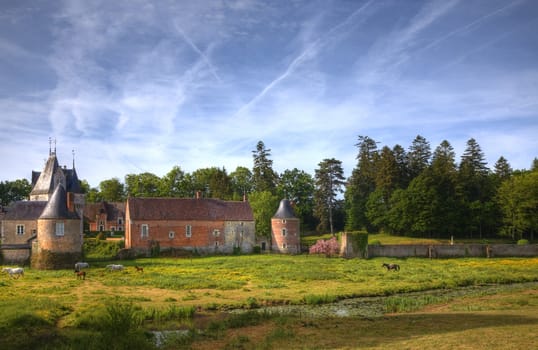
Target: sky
(142, 86)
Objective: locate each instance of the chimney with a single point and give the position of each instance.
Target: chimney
(70, 201)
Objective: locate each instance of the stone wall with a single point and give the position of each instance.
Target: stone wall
(452, 251)
(15, 256)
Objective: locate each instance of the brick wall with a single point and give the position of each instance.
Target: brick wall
(289, 243)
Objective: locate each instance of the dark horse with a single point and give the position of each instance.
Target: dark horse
(81, 275)
(389, 267)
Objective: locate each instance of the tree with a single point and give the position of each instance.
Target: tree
(518, 198)
(476, 190)
(361, 184)
(502, 169)
(445, 206)
(142, 185)
(176, 183)
(213, 182)
(241, 182)
(329, 180)
(12, 191)
(298, 186)
(418, 157)
(263, 176)
(112, 190)
(264, 206)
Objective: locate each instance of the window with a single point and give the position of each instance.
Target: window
(59, 229)
(101, 222)
(120, 228)
(144, 230)
(120, 221)
(284, 246)
(188, 231)
(101, 228)
(283, 221)
(216, 233)
(171, 234)
(284, 232)
(112, 228)
(20, 229)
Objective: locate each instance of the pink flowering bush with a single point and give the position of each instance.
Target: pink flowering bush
(328, 247)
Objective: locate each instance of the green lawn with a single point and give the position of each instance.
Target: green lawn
(174, 293)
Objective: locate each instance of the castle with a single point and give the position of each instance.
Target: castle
(46, 229)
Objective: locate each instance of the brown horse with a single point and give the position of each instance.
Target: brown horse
(81, 275)
(394, 267)
(139, 269)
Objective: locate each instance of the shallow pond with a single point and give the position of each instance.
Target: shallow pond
(369, 307)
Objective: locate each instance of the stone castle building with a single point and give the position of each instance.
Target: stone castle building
(46, 230)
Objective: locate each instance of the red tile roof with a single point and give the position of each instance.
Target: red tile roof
(188, 209)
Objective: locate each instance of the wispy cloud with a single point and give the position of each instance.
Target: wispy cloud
(308, 53)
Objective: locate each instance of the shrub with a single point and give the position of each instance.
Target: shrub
(328, 247)
(256, 249)
(522, 242)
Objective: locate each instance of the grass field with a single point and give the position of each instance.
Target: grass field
(53, 309)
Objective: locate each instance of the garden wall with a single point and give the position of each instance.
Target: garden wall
(452, 251)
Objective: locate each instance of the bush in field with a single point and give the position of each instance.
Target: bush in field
(522, 242)
(328, 247)
(96, 249)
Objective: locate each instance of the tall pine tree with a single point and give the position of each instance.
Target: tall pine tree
(329, 181)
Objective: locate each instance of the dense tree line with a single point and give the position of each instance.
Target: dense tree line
(420, 193)
(415, 192)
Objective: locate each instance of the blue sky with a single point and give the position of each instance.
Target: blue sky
(140, 86)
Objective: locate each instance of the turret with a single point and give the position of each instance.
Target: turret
(285, 229)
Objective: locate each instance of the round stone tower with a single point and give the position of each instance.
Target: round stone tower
(59, 234)
(285, 230)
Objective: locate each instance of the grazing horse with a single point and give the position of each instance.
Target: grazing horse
(139, 268)
(115, 267)
(14, 271)
(81, 265)
(81, 275)
(394, 267)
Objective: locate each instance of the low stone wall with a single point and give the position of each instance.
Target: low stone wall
(14, 256)
(452, 251)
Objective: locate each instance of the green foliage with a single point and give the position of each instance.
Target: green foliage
(213, 183)
(329, 180)
(359, 242)
(12, 191)
(264, 206)
(142, 185)
(101, 249)
(518, 198)
(298, 186)
(264, 178)
(112, 190)
(522, 242)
